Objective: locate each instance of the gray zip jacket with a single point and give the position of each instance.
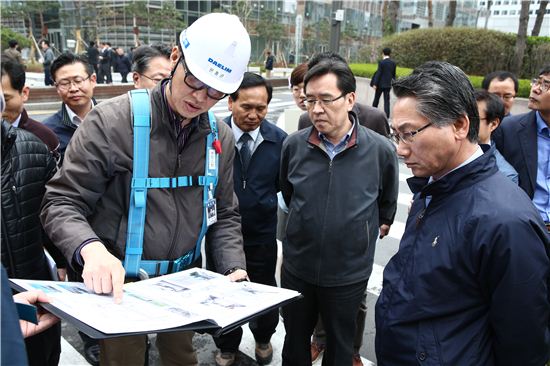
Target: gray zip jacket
(89, 197)
(336, 206)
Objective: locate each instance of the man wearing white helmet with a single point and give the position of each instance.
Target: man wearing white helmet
(86, 206)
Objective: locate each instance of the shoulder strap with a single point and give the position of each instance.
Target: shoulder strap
(141, 116)
(213, 149)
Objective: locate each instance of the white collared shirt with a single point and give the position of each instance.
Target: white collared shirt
(255, 134)
(75, 119)
(16, 122)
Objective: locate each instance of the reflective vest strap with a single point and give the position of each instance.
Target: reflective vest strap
(140, 104)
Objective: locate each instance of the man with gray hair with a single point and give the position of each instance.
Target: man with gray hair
(469, 284)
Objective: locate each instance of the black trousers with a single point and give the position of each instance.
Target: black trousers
(377, 94)
(337, 307)
(260, 266)
(44, 349)
(105, 74)
(47, 76)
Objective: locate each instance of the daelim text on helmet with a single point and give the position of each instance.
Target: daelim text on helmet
(220, 65)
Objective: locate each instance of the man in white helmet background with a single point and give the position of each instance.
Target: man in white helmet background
(86, 206)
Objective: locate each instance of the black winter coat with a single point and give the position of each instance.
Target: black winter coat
(27, 165)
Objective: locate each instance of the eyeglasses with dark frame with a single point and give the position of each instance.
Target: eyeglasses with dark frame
(505, 96)
(65, 84)
(407, 137)
(542, 83)
(191, 81)
(325, 102)
(156, 81)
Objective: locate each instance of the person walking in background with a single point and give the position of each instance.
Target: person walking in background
(48, 59)
(93, 56)
(382, 79)
(12, 52)
(269, 61)
(123, 64)
(150, 65)
(291, 58)
(105, 64)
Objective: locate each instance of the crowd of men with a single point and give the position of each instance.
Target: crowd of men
(469, 285)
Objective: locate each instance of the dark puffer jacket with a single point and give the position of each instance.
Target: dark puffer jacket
(27, 165)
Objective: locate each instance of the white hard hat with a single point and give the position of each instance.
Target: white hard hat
(216, 48)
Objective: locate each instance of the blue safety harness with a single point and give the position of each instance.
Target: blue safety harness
(141, 182)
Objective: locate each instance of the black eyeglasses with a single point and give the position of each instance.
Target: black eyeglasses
(154, 80)
(65, 84)
(407, 137)
(195, 84)
(324, 102)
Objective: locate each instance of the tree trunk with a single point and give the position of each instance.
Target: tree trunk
(451, 15)
(393, 13)
(32, 56)
(540, 18)
(517, 61)
(430, 14)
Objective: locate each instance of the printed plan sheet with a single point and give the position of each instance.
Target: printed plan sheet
(163, 302)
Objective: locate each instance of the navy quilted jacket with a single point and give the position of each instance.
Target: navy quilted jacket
(27, 165)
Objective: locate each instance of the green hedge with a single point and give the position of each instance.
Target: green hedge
(476, 51)
(368, 70)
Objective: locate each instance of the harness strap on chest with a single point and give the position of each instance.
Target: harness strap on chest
(141, 182)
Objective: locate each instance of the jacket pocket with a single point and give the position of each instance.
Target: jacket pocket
(428, 349)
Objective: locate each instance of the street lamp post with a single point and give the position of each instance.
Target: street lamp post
(338, 17)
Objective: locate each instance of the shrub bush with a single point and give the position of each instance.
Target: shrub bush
(368, 70)
(6, 34)
(476, 51)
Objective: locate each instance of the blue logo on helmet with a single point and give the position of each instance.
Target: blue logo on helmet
(185, 43)
(219, 65)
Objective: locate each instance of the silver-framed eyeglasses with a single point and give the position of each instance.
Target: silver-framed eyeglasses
(325, 102)
(542, 83)
(65, 84)
(191, 81)
(407, 137)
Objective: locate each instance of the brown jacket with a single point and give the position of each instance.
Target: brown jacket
(41, 131)
(88, 198)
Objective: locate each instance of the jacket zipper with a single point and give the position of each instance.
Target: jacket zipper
(15, 200)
